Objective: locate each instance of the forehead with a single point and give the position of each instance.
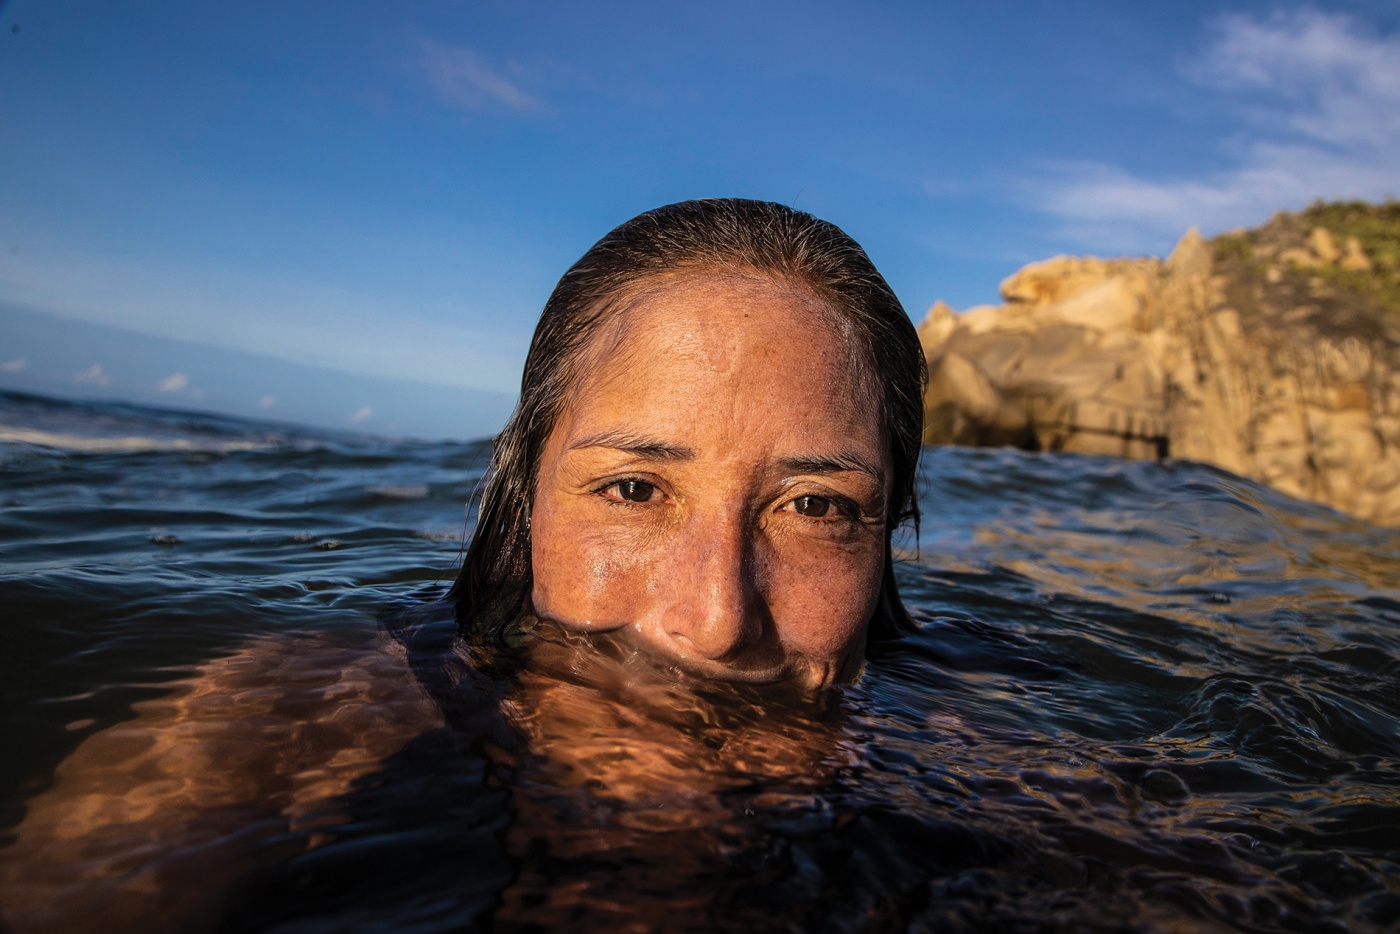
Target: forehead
(683, 308)
(699, 347)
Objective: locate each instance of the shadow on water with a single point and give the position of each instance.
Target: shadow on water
(1138, 697)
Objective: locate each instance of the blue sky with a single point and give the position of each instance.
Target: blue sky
(391, 190)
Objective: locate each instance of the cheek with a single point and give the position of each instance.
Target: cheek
(584, 577)
(822, 598)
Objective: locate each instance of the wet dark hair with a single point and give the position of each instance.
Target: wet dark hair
(713, 235)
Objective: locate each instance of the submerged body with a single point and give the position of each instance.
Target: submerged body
(181, 817)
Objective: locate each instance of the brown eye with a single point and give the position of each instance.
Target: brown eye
(816, 507)
(635, 491)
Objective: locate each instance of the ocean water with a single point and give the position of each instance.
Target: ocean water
(1141, 696)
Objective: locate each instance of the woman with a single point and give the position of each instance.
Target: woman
(716, 438)
(717, 434)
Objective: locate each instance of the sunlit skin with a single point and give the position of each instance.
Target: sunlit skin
(715, 490)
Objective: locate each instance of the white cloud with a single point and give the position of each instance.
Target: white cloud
(175, 382)
(1343, 85)
(267, 402)
(14, 366)
(464, 78)
(362, 415)
(94, 376)
(1318, 98)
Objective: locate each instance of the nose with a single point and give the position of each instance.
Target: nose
(716, 609)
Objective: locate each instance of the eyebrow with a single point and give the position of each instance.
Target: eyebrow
(839, 462)
(656, 449)
(635, 444)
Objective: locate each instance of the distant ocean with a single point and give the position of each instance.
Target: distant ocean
(49, 355)
(1142, 696)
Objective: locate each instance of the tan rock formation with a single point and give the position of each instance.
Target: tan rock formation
(1323, 246)
(1354, 257)
(1251, 362)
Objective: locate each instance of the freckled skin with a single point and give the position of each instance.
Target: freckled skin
(716, 489)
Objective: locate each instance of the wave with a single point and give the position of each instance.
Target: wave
(128, 444)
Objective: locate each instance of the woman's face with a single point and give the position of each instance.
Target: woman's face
(715, 491)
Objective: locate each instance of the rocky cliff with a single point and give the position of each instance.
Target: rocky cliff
(1273, 353)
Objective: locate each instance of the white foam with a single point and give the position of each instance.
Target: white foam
(125, 444)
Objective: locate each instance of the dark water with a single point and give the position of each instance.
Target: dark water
(1142, 697)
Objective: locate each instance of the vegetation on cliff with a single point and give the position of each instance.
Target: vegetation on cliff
(1352, 247)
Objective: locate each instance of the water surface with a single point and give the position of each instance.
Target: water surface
(1142, 696)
